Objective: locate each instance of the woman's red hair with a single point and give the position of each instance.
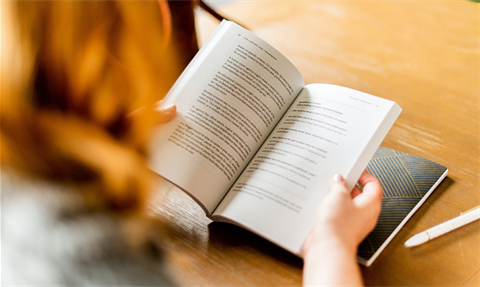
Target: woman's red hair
(72, 71)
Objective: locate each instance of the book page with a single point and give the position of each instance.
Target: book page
(228, 100)
(327, 130)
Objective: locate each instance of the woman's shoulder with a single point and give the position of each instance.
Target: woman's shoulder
(51, 236)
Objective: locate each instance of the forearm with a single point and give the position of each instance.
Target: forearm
(330, 263)
(343, 220)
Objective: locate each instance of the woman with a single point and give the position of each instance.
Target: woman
(73, 160)
(74, 178)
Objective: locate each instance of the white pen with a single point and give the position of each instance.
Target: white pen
(443, 228)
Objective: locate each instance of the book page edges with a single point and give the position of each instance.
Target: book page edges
(370, 261)
(196, 62)
(185, 77)
(198, 202)
(371, 147)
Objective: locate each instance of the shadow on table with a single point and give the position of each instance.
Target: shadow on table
(225, 236)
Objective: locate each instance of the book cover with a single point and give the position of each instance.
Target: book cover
(407, 181)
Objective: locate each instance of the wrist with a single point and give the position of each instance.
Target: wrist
(328, 260)
(330, 242)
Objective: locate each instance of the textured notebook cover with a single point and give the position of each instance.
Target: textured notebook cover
(405, 179)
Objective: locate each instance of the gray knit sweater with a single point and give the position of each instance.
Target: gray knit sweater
(49, 237)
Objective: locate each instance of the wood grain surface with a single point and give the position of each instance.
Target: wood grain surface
(423, 55)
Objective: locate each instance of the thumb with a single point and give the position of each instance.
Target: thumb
(166, 114)
(338, 184)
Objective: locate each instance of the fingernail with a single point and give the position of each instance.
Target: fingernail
(338, 178)
(169, 109)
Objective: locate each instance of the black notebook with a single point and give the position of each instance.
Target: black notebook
(407, 181)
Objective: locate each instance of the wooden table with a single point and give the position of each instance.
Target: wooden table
(423, 55)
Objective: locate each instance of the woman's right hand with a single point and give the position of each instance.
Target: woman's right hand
(343, 220)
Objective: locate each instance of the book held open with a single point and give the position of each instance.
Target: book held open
(256, 147)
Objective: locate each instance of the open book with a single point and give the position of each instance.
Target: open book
(256, 147)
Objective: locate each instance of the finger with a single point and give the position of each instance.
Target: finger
(166, 114)
(338, 184)
(371, 195)
(355, 192)
(365, 178)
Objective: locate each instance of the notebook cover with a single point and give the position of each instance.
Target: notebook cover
(407, 181)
